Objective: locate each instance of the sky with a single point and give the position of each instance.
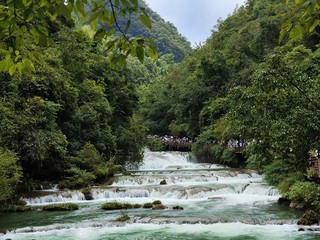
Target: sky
(194, 19)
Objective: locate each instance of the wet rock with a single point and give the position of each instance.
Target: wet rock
(87, 193)
(163, 182)
(177, 208)
(284, 201)
(158, 207)
(215, 198)
(310, 217)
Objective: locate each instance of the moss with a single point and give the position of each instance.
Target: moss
(16, 208)
(158, 207)
(137, 205)
(147, 205)
(123, 218)
(157, 202)
(61, 207)
(116, 206)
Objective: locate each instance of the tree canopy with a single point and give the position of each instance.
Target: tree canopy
(21, 28)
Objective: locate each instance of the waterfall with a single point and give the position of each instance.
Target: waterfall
(211, 198)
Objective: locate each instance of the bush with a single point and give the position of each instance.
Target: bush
(305, 194)
(229, 156)
(155, 144)
(61, 207)
(123, 218)
(16, 208)
(79, 178)
(10, 174)
(157, 202)
(116, 206)
(147, 205)
(216, 152)
(285, 185)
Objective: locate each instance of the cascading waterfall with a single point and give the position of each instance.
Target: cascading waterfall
(217, 202)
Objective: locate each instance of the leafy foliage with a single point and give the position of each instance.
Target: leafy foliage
(21, 28)
(10, 175)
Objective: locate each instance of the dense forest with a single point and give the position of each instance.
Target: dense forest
(250, 83)
(77, 119)
(70, 119)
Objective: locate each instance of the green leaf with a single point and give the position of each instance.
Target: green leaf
(127, 26)
(140, 53)
(314, 25)
(145, 20)
(126, 4)
(12, 69)
(26, 3)
(134, 2)
(100, 34)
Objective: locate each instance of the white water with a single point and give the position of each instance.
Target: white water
(218, 203)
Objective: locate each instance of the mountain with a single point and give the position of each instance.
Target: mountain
(165, 34)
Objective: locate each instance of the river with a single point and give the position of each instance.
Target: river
(218, 203)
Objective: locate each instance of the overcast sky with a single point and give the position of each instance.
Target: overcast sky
(194, 19)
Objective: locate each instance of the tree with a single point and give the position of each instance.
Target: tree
(10, 175)
(21, 28)
(303, 21)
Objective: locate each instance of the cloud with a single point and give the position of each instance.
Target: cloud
(194, 19)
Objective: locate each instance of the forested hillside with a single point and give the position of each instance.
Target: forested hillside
(66, 111)
(249, 84)
(166, 36)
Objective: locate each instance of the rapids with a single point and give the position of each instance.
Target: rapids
(218, 203)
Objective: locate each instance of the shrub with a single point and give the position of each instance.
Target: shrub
(157, 202)
(61, 207)
(16, 208)
(305, 194)
(137, 205)
(155, 144)
(147, 205)
(123, 218)
(10, 174)
(216, 152)
(78, 178)
(116, 206)
(288, 182)
(229, 156)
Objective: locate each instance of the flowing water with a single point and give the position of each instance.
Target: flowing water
(218, 203)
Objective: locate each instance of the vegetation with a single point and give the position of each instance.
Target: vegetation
(123, 218)
(255, 80)
(71, 117)
(118, 205)
(61, 207)
(66, 113)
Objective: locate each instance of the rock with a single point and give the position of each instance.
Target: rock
(163, 182)
(284, 201)
(215, 198)
(310, 217)
(88, 196)
(293, 205)
(158, 207)
(177, 208)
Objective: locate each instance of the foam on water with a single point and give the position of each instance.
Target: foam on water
(237, 230)
(218, 203)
